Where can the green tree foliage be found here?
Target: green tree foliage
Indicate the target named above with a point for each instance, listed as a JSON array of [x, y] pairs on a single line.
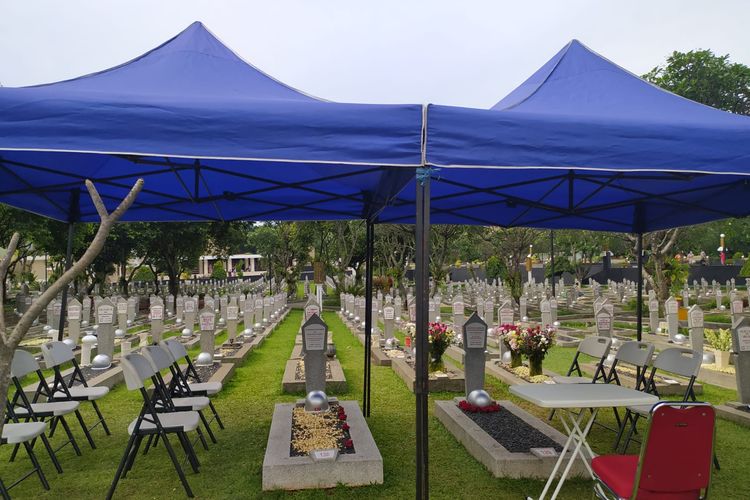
[[218, 272]]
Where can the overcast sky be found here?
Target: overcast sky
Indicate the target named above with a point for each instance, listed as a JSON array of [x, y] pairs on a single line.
[[466, 53]]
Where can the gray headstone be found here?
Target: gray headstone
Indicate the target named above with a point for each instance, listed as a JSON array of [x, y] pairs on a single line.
[[389, 320], [546, 310], [741, 350], [207, 323], [315, 342], [105, 333], [695, 325], [522, 305], [458, 313], [311, 308], [74, 320], [475, 344], [156, 316], [603, 319], [737, 307], [671, 308], [180, 306], [233, 313], [653, 315]]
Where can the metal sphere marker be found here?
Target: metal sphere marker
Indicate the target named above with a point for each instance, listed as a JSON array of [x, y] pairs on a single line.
[[247, 331], [316, 401], [84, 323], [101, 362], [479, 398], [69, 342], [221, 321], [119, 333], [129, 322], [178, 321], [556, 324], [186, 332], [680, 338], [709, 358], [506, 357], [204, 359]]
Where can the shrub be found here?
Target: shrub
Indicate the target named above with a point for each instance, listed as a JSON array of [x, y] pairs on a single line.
[[219, 273], [745, 271], [143, 273], [720, 339]]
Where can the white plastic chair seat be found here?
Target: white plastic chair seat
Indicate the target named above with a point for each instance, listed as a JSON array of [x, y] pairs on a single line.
[[191, 403], [178, 421], [53, 409], [81, 393], [208, 388], [561, 379], [641, 409], [20, 433]]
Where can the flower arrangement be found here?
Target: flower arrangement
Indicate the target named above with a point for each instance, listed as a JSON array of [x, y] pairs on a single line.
[[440, 337], [535, 343], [510, 336], [470, 408]]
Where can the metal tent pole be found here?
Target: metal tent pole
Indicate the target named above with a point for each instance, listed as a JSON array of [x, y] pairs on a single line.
[[369, 244], [552, 258], [73, 215], [639, 297], [422, 238]]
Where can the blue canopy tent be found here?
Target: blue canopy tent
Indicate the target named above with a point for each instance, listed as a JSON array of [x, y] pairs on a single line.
[[584, 144], [213, 137]]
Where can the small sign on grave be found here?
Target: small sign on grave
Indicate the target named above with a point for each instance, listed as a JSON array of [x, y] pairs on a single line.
[[157, 312], [743, 339], [189, 306], [696, 317], [389, 312], [233, 313], [314, 332], [475, 333], [207, 321], [105, 314], [122, 307], [74, 313]]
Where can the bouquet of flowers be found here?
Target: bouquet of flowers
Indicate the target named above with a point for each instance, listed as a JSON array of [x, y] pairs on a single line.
[[535, 344], [510, 336], [440, 337]]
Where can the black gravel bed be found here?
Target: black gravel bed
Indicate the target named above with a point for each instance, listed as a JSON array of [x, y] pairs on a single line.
[[89, 373], [205, 372], [333, 409], [512, 432]]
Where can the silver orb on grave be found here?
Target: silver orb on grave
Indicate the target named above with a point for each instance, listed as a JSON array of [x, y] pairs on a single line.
[[316, 401], [84, 323], [437, 319], [129, 322], [95, 327], [556, 324], [479, 397], [221, 321], [616, 342], [119, 333], [709, 358], [204, 359], [680, 338], [186, 332], [506, 357], [265, 321], [490, 331], [722, 307], [525, 319], [247, 331], [52, 333], [178, 321], [101, 362], [356, 319], [46, 327], [89, 338], [257, 326], [659, 330], [69, 342], [351, 315]]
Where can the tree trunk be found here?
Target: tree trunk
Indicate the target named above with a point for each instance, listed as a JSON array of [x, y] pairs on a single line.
[[6, 357]]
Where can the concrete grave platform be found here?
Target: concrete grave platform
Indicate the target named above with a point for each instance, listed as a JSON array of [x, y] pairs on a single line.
[[379, 357], [458, 354], [336, 383], [732, 411], [496, 458], [453, 383], [284, 472], [239, 355]]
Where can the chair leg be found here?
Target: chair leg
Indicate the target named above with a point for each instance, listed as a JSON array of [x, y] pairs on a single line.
[[71, 438], [208, 428], [148, 445], [14, 452], [177, 467], [621, 430], [101, 418], [216, 415], [189, 451], [52, 427], [551, 415], [51, 453], [131, 457], [85, 430], [121, 467], [631, 432], [716, 462], [202, 438], [37, 466], [4, 491]]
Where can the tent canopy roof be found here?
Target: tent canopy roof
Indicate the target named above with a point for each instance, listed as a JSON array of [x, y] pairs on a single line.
[[214, 138], [585, 144]]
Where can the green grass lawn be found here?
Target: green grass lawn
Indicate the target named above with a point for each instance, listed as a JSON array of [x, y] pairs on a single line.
[[232, 468]]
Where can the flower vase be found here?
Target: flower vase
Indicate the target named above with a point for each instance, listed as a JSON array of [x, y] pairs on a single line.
[[535, 366], [436, 364], [516, 359]]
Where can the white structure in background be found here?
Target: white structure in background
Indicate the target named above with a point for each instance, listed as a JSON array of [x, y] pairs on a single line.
[[250, 265]]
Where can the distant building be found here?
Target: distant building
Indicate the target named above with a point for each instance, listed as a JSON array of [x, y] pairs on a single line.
[[251, 265]]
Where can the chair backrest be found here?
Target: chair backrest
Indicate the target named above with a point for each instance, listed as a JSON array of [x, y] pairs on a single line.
[[679, 360], [136, 370], [56, 353], [635, 353], [158, 357], [23, 363], [595, 346], [677, 451], [177, 350]]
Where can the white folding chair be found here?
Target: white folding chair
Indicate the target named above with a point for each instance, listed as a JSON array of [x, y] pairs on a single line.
[[56, 355], [17, 433], [137, 370], [594, 346]]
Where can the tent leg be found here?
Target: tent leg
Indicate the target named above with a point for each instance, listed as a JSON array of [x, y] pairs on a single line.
[[639, 297], [422, 302], [68, 263], [552, 258], [369, 243]]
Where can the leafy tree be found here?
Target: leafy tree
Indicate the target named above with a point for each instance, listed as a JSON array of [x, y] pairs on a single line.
[[394, 251], [495, 269], [218, 272], [511, 246]]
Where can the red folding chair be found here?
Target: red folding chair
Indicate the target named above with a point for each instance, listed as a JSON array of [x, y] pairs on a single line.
[[675, 458]]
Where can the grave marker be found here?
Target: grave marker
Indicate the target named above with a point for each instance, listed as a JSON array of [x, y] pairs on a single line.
[[74, 320], [475, 344], [105, 333], [671, 307], [695, 325], [122, 315], [546, 310], [741, 350], [603, 320], [389, 317], [207, 323], [653, 315], [156, 315], [190, 312], [233, 313], [315, 342]]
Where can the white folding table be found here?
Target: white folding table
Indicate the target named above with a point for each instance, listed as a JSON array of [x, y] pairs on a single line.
[[568, 397]]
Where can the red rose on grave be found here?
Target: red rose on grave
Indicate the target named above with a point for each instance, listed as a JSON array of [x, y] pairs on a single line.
[[341, 409], [349, 444], [342, 416], [345, 426]]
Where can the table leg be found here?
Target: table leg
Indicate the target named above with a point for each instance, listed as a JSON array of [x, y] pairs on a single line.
[[576, 433]]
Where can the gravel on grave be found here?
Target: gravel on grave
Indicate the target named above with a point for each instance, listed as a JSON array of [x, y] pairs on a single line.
[[89, 373], [299, 373], [512, 432], [329, 423], [205, 372]]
